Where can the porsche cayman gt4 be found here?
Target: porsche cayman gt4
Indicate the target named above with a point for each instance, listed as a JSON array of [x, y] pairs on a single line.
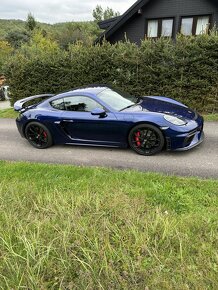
[[102, 116]]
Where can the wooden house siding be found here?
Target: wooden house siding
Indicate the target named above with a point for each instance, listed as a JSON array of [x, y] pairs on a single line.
[[135, 27]]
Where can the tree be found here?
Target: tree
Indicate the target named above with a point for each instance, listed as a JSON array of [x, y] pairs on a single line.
[[30, 22], [5, 52], [73, 32], [99, 14], [110, 13], [17, 37]]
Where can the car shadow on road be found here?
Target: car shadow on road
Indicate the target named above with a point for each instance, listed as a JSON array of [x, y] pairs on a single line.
[[107, 150]]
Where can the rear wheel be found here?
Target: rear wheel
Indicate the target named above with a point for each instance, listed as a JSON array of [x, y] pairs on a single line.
[[146, 139], [38, 135]]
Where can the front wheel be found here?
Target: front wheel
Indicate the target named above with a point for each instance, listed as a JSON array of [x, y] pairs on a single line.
[[146, 139], [38, 135]]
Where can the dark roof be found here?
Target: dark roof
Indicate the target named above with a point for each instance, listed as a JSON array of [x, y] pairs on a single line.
[[105, 24], [126, 16], [122, 19], [215, 2]]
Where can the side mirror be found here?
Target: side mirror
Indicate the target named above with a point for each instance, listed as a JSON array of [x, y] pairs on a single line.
[[99, 112]]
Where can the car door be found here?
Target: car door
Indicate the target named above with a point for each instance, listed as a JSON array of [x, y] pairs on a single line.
[[83, 127]]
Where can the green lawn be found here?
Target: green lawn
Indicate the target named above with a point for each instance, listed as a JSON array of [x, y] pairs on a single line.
[[65, 227], [211, 117], [10, 113]]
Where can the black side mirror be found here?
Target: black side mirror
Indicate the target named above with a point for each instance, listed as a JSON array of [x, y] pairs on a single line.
[[99, 112]]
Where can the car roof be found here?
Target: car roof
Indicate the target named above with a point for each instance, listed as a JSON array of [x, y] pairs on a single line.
[[91, 89]]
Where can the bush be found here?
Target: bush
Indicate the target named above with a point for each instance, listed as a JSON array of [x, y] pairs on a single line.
[[186, 70], [5, 52]]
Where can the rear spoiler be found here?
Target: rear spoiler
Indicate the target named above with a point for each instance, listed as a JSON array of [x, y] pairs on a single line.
[[20, 104]]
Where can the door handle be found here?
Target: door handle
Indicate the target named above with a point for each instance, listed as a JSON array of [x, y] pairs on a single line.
[[69, 121]]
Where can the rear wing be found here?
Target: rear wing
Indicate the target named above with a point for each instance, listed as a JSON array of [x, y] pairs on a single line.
[[26, 103]]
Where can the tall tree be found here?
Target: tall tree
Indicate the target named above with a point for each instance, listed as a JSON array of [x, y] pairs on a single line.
[[30, 22], [110, 13], [100, 14]]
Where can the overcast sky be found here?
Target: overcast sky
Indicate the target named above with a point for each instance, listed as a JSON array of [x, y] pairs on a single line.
[[53, 11]]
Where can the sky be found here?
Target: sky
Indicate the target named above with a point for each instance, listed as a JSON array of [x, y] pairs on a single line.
[[54, 11]]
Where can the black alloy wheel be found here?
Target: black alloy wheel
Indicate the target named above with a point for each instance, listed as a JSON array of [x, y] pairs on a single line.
[[146, 139], [38, 135]]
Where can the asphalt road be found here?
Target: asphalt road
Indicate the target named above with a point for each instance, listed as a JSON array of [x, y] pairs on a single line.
[[201, 161]]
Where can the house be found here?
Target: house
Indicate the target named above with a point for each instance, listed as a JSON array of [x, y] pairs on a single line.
[[156, 18]]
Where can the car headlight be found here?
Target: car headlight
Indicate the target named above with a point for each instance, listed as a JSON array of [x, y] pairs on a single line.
[[174, 120]]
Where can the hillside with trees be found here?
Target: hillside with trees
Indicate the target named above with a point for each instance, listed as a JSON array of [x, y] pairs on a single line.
[[17, 32], [8, 26]]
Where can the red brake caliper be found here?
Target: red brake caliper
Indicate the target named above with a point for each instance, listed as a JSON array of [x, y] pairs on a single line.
[[137, 135], [44, 134]]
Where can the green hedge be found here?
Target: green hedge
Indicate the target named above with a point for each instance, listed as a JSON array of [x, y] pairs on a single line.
[[186, 70]]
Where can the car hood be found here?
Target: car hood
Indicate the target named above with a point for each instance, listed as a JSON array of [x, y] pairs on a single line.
[[164, 105]]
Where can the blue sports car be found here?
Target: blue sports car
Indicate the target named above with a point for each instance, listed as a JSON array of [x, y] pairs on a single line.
[[99, 115]]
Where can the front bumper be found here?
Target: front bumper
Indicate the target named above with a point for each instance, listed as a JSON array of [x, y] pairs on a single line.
[[183, 141], [197, 139]]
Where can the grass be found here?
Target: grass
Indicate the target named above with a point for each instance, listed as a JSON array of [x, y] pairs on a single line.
[[211, 117], [10, 113], [65, 227]]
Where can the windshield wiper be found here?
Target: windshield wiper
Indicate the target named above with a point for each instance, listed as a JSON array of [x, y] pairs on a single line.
[[128, 107]]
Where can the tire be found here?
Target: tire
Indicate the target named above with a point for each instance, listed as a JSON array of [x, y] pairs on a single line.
[[38, 135], [146, 139]]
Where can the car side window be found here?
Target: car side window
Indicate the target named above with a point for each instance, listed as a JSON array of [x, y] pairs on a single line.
[[80, 104], [58, 104]]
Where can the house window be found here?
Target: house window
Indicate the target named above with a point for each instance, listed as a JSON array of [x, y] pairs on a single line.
[[186, 26], [203, 24], [167, 27], [195, 25], [152, 28], [160, 27]]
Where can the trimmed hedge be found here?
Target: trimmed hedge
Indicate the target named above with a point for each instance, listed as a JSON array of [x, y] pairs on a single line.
[[186, 70]]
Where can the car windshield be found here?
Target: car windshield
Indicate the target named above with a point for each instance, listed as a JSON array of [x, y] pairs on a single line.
[[115, 100]]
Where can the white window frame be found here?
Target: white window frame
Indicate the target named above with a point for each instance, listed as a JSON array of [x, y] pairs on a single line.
[[159, 26], [196, 30]]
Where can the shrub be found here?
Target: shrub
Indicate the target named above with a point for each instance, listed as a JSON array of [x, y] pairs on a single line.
[[5, 52], [186, 70]]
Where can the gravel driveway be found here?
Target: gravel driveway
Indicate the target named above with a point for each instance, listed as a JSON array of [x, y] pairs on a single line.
[[5, 105]]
